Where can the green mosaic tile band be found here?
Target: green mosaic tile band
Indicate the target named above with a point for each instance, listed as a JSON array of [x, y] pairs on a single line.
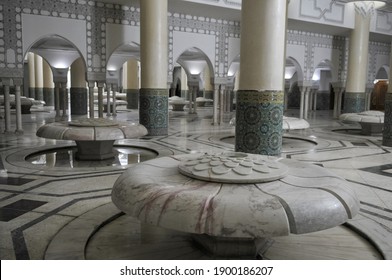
[[387, 132], [259, 118], [354, 102], [154, 112]]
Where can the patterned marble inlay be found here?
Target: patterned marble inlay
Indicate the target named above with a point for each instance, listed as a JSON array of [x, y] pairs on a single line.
[[354, 102], [259, 120], [233, 168]]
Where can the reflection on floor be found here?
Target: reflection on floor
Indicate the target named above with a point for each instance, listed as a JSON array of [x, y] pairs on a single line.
[[52, 207]]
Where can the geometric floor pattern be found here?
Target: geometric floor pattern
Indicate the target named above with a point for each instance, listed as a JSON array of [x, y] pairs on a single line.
[[54, 208]]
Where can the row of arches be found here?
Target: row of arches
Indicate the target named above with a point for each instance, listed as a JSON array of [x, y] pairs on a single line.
[[60, 53]]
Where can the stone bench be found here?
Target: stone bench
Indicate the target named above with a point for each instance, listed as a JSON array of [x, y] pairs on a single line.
[[372, 122]]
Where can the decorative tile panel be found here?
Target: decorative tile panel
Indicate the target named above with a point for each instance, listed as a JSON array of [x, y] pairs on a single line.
[[354, 102], [259, 118], [154, 110]]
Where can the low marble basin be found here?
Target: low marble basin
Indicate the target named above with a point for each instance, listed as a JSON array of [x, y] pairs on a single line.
[[372, 122], [291, 197], [289, 123], [94, 138]]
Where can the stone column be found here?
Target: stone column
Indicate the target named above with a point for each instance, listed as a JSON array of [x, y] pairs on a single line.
[[100, 99], [338, 88], [91, 86], [306, 102], [57, 99], [354, 99], [259, 113], [132, 84], [286, 95], [48, 90], [39, 77], [30, 59], [154, 103], [18, 82], [215, 110], [78, 91], [114, 88], [387, 131], [7, 106], [108, 103], [64, 100], [221, 103]]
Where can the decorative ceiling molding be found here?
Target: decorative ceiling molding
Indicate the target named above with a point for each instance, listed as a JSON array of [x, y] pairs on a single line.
[[328, 10]]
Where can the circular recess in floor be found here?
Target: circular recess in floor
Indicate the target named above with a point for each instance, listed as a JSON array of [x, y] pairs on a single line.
[[65, 157], [289, 144], [121, 238]]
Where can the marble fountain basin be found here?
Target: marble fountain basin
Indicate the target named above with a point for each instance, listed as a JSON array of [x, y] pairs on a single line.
[[372, 122], [234, 198], [94, 138]]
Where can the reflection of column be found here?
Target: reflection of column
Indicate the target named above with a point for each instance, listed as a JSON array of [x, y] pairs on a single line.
[[78, 91], [354, 100], [39, 78], [18, 84], [132, 83], [48, 90], [387, 131], [30, 59], [100, 99], [154, 111], [7, 106], [259, 113]]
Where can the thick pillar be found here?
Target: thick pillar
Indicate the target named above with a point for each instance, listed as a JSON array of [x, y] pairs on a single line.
[[18, 107], [132, 83], [354, 99], [30, 59], [154, 111], [39, 77], [78, 91], [259, 113], [387, 131], [48, 90]]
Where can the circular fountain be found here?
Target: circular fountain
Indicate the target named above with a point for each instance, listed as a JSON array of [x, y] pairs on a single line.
[[94, 138], [233, 203]]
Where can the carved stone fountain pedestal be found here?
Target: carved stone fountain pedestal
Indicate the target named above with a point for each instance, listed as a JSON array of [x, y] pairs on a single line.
[[94, 138], [233, 203]]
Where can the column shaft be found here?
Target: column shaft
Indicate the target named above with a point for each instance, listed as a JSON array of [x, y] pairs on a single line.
[[154, 111], [39, 77], [354, 99], [259, 113], [48, 90], [387, 131]]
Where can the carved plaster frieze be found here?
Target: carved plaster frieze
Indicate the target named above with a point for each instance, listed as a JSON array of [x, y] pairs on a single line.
[[327, 10], [365, 8]]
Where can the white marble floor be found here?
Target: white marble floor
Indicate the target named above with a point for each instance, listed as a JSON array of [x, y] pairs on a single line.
[[53, 207]]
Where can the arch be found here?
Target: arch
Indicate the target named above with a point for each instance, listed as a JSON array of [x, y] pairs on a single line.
[[234, 66], [292, 68], [194, 60], [58, 51], [383, 73], [324, 65], [121, 54], [35, 26]]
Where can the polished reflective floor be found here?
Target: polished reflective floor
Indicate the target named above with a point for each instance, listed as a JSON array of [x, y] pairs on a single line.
[[54, 207]]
